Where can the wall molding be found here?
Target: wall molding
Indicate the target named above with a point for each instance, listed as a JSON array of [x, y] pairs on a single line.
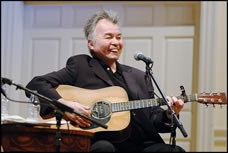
[[207, 78]]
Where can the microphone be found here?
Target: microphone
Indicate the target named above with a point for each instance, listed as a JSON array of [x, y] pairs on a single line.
[[6, 81], [139, 56]]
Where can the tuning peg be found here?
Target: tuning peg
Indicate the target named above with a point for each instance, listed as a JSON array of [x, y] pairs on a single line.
[[220, 105], [211, 93], [218, 93], [213, 105], [206, 105], [183, 93], [212, 100], [219, 100]]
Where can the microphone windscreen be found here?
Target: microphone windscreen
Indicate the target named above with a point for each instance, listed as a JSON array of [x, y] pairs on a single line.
[[136, 55]]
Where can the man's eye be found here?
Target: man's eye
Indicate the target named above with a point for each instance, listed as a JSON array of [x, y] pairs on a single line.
[[119, 38], [107, 37]]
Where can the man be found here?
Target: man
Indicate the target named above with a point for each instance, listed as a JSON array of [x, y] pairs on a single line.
[[102, 70]]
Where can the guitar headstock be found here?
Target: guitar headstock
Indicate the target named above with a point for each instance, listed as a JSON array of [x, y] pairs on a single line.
[[212, 98]]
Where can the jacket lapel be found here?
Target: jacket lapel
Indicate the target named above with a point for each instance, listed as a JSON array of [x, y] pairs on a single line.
[[130, 81], [132, 86], [127, 74], [99, 71]]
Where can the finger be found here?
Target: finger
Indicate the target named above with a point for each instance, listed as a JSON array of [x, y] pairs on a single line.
[[82, 122], [85, 121], [180, 104], [169, 100], [84, 110], [174, 99], [69, 116], [173, 103], [86, 107], [76, 119], [86, 113]]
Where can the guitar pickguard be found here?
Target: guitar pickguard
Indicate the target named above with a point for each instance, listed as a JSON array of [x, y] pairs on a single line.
[[100, 111]]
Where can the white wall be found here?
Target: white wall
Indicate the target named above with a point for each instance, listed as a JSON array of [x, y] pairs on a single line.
[[220, 117], [12, 34], [212, 46], [12, 14]]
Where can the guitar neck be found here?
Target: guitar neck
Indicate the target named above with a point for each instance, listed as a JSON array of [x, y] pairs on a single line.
[[145, 103]]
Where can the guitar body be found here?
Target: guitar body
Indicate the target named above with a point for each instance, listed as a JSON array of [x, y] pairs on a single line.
[[115, 121]]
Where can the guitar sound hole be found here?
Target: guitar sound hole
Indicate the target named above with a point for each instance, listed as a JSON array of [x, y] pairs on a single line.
[[101, 109]]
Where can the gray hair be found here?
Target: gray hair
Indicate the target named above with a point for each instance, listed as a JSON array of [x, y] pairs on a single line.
[[90, 26]]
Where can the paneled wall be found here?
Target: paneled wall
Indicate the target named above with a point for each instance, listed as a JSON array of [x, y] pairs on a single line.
[[52, 33]]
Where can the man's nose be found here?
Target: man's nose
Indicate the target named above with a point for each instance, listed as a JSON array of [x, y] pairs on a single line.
[[115, 40]]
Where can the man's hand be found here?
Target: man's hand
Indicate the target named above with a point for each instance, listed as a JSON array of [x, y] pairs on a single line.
[[176, 104], [79, 108]]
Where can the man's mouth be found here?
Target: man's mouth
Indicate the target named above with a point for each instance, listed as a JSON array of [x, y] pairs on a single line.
[[114, 50]]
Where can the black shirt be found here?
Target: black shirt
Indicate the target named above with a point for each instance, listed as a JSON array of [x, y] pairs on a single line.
[[116, 77]]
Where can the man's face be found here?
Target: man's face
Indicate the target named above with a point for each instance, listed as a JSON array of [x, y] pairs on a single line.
[[108, 42]]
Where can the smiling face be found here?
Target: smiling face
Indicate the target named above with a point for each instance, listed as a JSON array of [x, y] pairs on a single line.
[[108, 42]]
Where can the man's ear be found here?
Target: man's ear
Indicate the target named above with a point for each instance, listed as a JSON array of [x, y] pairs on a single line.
[[90, 44]]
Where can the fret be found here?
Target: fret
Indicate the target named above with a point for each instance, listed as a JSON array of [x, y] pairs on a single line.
[[142, 104], [134, 105], [149, 103], [118, 106], [138, 104], [124, 106], [114, 107], [127, 105], [145, 104], [130, 105], [121, 106]]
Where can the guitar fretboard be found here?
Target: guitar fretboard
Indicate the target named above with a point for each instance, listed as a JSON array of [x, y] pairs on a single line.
[[145, 103]]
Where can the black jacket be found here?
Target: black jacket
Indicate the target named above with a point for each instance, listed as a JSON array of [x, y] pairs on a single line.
[[86, 72]]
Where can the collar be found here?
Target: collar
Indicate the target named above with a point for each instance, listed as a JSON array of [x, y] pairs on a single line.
[[105, 66]]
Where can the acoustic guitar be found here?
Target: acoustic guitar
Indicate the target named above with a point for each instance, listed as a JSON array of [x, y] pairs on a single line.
[[111, 107]]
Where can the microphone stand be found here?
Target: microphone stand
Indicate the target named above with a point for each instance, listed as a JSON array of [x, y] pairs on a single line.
[[59, 109], [59, 115], [174, 118]]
